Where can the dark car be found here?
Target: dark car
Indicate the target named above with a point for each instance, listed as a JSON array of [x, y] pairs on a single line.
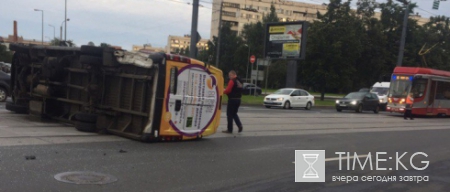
[[4, 85], [249, 89], [359, 101], [5, 67]]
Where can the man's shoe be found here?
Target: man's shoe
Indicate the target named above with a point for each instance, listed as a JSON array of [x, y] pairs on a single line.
[[226, 132], [240, 129], [405, 118], [411, 118]]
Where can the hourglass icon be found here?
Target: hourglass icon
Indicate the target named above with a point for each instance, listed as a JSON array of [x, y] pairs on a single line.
[[310, 171]]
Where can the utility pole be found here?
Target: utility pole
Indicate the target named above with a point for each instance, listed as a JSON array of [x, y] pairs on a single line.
[[248, 62], [65, 24], [218, 34], [291, 75], [194, 36], [267, 73], [402, 41]]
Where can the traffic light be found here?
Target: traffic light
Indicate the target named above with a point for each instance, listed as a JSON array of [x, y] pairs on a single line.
[[436, 4]]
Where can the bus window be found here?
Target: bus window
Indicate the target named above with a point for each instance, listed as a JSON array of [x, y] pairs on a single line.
[[418, 88], [399, 86], [432, 93], [443, 91]]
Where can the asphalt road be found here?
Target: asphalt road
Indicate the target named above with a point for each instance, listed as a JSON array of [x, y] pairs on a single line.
[[259, 159]]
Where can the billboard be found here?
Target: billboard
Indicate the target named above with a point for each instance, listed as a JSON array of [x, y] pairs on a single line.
[[285, 40]]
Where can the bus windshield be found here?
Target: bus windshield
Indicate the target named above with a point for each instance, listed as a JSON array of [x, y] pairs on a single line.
[[400, 86]]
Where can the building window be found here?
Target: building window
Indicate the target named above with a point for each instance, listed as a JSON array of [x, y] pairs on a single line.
[[288, 12], [231, 23], [249, 6], [233, 5], [246, 16], [300, 13], [229, 14]]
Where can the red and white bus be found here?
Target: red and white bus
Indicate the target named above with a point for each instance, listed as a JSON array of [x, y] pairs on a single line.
[[430, 87]]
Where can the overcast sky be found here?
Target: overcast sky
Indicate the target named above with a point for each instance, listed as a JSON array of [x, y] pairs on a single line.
[[125, 22]]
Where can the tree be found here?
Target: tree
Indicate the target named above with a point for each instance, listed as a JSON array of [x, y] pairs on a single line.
[[5, 56], [208, 55], [91, 43], [104, 45], [336, 44], [229, 42], [272, 16], [436, 35], [253, 35], [58, 42]]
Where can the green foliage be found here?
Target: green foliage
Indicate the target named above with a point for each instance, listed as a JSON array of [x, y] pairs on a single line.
[[58, 42], [272, 16], [5, 56], [104, 45], [346, 49]]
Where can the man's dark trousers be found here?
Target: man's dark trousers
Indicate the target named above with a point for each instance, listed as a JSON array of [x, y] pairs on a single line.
[[408, 113], [232, 110]]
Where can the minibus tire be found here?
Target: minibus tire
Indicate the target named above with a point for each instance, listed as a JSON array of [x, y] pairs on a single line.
[[86, 117], [85, 127]]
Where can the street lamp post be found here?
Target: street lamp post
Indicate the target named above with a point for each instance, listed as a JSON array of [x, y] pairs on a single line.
[[42, 24], [248, 62], [60, 29], [53, 31]]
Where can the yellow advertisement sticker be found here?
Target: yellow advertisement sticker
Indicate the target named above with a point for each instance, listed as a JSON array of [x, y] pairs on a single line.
[[277, 29], [291, 46]]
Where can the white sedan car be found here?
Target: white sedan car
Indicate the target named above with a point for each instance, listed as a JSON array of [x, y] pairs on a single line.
[[289, 98]]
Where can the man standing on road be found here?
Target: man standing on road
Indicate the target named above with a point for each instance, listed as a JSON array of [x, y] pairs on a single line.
[[408, 108], [234, 92]]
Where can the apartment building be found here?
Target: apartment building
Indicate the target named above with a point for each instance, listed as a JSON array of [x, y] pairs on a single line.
[[148, 47], [241, 12], [176, 43]]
